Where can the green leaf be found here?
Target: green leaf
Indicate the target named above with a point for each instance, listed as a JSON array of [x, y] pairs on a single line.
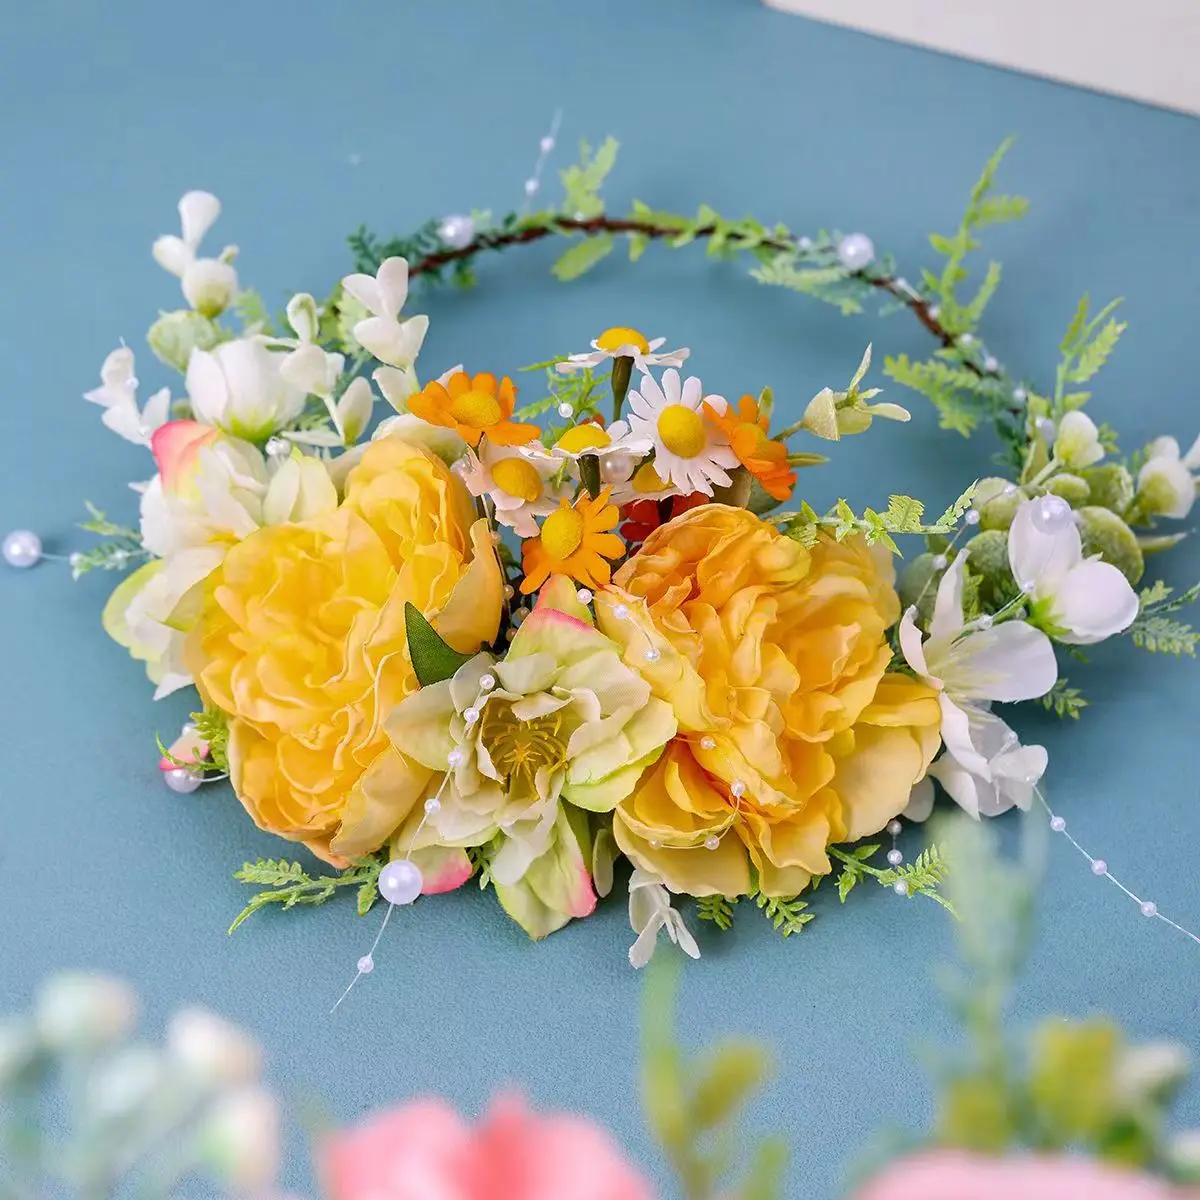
[[637, 246], [787, 916], [432, 659], [1064, 701], [582, 256], [1094, 355], [1163, 635], [765, 1181], [736, 1069], [717, 909]]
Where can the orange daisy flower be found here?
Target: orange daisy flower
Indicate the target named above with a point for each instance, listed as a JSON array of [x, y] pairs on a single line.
[[574, 541], [473, 405], [747, 433]]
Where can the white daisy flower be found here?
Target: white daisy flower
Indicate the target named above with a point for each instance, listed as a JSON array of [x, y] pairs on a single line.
[[520, 484], [689, 452], [622, 342], [615, 446]]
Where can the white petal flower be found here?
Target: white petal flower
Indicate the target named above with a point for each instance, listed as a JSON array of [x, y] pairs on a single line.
[[1009, 775], [1165, 484], [209, 284], [384, 294], [649, 912], [690, 451], [383, 334], [239, 387], [520, 484], [971, 667], [118, 396], [1079, 600], [622, 342], [211, 1049]]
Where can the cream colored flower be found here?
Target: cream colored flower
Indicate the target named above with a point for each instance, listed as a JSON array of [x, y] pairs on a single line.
[[623, 342]]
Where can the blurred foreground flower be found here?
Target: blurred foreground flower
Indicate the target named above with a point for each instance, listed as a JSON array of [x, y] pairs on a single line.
[[956, 1176], [425, 1149]]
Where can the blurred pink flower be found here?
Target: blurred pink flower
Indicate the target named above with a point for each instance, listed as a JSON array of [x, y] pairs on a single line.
[[953, 1175], [425, 1151]]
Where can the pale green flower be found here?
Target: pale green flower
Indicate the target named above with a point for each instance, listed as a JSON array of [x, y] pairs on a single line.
[[560, 724]]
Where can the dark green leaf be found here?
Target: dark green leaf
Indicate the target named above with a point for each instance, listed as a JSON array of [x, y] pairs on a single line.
[[432, 660]]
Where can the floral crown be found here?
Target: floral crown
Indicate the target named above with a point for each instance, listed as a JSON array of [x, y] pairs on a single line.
[[518, 643]]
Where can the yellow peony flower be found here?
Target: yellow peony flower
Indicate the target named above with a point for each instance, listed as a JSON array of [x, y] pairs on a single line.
[[792, 733], [301, 640]]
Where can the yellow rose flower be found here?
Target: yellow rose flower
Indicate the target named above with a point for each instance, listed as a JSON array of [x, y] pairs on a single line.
[[792, 733], [301, 640]]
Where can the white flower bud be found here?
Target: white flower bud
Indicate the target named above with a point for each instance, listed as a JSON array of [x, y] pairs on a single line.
[[124, 1083], [302, 316], [81, 1010], [1150, 1072], [209, 286], [1165, 488], [212, 1049], [239, 1141], [1077, 443]]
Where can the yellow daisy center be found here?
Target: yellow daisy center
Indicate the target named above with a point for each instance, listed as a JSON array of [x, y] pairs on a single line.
[[647, 481], [682, 430], [562, 533], [618, 336], [476, 409], [587, 436], [519, 478]]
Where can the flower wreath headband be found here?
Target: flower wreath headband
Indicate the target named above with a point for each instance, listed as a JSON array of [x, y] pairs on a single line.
[[681, 663]]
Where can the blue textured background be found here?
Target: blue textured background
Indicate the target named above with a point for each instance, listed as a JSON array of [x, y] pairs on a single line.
[[109, 112]]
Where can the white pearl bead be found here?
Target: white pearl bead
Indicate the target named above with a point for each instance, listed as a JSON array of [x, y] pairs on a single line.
[[902, 283], [455, 757], [711, 842], [366, 965], [939, 561], [583, 596], [509, 634], [509, 591], [894, 827], [1149, 908], [900, 887], [546, 144], [1009, 489], [991, 364], [519, 615], [471, 715], [278, 447], [708, 743], [967, 339], [616, 467], [653, 654], [621, 612], [487, 682], [654, 844], [985, 621], [737, 789], [1046, 428], [1099, 867], [934, 312], [804, 243], [895, 857], [972, 517], [856, 251], [181, 780], [433, 806], [1019, 394], [457, 231], [74, 560], [1051, 514], [531, 186], [22, 548], [400, 882], [566, 411]]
